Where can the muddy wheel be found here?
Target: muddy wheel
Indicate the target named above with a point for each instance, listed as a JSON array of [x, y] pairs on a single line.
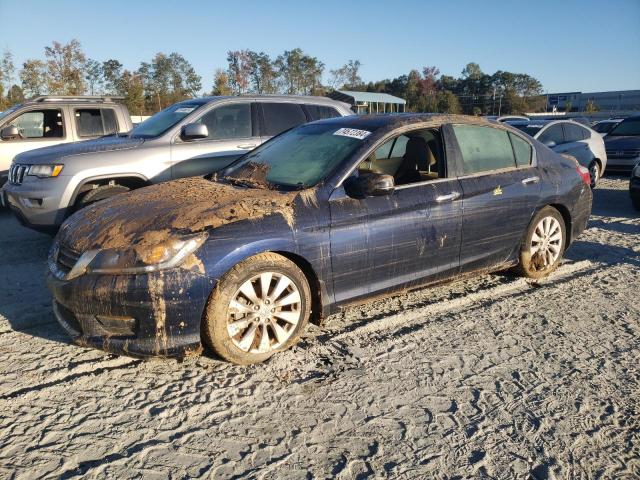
[[260, 307], [543, 245], [594, 173], [101, 193]]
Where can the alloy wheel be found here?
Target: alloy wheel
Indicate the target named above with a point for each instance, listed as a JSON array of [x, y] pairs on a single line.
[[546, 243], [264, 313]]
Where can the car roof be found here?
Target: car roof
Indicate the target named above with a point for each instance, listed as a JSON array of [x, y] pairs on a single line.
[[396, 120]]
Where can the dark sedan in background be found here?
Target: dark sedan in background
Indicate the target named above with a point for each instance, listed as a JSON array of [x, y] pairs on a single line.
[[326, 214], [623, 145]]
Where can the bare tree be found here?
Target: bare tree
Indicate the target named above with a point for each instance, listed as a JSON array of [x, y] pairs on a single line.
[[221, 83]]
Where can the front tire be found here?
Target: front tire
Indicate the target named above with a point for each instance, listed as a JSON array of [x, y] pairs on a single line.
[[101, 193], [543, 245], [260, 307]]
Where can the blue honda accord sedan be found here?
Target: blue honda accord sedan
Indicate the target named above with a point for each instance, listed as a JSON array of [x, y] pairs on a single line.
[[323, 215]]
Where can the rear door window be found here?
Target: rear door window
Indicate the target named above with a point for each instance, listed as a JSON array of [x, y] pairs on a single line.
[[552, 134], [522, 150], [95, 122], [319, 112], [228, 121], [572, 133], [45, 123], [278, 117], [484, 149]]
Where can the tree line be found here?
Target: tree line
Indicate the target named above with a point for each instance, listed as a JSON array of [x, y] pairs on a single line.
[[169, 78]]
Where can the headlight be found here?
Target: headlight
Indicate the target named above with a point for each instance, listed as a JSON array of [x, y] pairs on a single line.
[[138, 259], [45, 171]]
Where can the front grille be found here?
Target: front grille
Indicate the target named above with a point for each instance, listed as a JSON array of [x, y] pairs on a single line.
[[17, 173], [624, 153]]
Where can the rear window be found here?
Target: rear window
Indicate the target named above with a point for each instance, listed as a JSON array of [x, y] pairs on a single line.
[[95, 122], [319, 112], [484, 149], [279, 117]]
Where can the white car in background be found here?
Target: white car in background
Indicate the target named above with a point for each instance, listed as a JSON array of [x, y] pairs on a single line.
[[572, 138]]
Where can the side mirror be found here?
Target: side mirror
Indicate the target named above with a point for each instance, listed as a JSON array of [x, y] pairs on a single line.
[[369, 185], [194, 131], [9, 132], [550, 143]]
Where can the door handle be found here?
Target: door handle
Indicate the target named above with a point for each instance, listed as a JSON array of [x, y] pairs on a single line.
[[529, 180], [446, 198], [247, 146]]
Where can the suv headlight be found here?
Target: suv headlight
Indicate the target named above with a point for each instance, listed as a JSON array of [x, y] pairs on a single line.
[[45, 171], [138, 259]]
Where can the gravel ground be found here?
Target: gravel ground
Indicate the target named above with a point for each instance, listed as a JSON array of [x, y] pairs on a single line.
[[489, 377]]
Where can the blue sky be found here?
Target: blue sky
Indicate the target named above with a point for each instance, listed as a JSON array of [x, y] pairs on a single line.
[[568, 45]]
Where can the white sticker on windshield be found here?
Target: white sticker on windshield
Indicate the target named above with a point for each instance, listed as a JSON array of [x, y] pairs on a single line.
[[352, 133], [185, 109]]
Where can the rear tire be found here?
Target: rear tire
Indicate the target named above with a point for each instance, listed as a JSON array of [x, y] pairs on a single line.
[[543, 245], [101, 193], [259, 307]]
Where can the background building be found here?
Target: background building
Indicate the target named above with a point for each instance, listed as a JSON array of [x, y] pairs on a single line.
[[616, 101]]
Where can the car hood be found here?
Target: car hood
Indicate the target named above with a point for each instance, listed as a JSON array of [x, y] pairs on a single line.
[[150, 215], [613, 143], [56, 152]]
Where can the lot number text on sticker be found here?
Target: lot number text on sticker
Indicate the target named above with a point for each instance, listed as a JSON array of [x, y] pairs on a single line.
[[352, 133]]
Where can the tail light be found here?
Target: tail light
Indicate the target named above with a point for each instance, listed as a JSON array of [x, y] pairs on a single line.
[[584, 174]]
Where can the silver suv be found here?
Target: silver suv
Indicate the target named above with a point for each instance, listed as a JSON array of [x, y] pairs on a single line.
[[50, 120], [193, 137]]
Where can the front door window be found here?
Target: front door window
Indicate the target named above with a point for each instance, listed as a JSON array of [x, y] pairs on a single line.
[[46, 123]]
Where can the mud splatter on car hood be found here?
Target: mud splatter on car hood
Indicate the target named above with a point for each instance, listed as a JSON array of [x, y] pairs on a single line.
[[150, 215]]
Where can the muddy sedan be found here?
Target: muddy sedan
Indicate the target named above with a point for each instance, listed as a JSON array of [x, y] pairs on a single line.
[[324, 215]]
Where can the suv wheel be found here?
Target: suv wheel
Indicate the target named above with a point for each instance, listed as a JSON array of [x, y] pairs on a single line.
[[260, 307], [100, 193]]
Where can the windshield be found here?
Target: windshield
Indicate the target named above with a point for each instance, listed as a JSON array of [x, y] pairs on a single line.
[[8, 112], [164, 120], [299, 158], [626, 127], [529, 129]]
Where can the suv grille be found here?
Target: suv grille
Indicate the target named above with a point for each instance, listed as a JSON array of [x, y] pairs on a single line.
[[627, 153], [17, 173]]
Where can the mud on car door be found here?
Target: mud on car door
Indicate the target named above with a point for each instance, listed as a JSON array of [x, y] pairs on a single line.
[[500, 192]]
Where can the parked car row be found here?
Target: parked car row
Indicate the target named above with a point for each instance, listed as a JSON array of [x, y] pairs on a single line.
[[283, 222]]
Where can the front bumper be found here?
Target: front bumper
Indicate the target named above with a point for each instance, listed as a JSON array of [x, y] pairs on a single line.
[[156, 314], [36, 203], [621, 164]]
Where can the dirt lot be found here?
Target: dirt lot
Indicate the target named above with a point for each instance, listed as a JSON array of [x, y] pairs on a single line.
[[490, 377]]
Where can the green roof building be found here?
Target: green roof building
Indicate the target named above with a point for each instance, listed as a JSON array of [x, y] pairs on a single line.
[[369, 102]]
